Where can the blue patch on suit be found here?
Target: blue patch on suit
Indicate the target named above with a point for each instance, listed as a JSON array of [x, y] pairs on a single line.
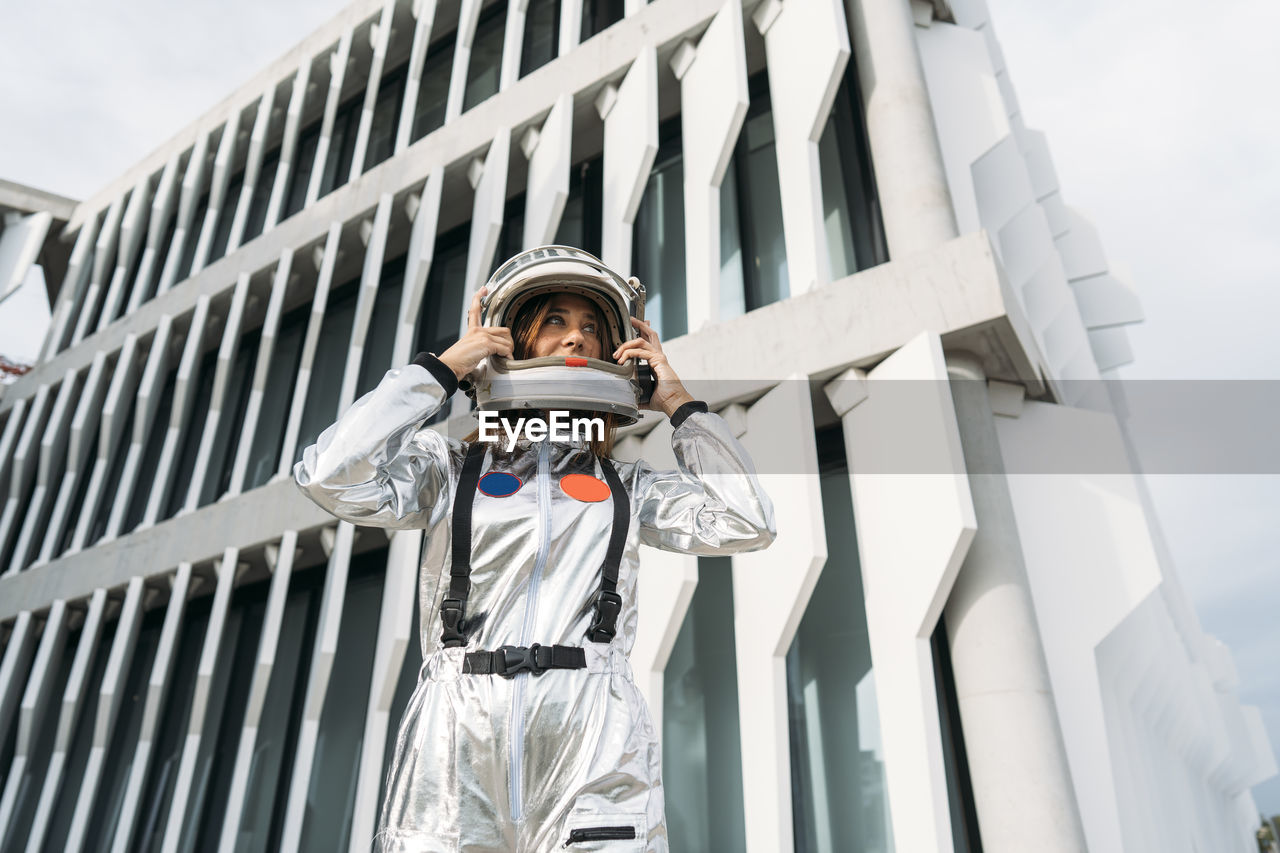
[[499, 484]]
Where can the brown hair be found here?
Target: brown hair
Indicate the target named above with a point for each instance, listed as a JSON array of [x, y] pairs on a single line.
[[524, 333]]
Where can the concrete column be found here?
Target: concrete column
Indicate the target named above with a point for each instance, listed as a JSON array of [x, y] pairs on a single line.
[[914, 199], [1021, 780]]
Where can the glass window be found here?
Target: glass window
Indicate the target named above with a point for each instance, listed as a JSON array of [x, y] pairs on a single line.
[[599, 15], [433, 88], [217, 477], [753, 251], [380, 339], [226, 216], [151, 455], [277, 397], [162, 257], [70, 519], [583, 212], [115, 471], [342, 146], [657, 255], [511, 238], [304, 161], [33, 773], [224, 718], [541, 35], [839, 797], [332, 793], [193, 429], [171, 730], [192, 239], [386, 118], [850, 206], [701, 741], [55, 840], [124, 739], [964, 814], [330, 364], [267, 790], [261, 196], [441, 318], [486, 56]]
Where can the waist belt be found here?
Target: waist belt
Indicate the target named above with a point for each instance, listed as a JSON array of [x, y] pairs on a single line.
[[509, 660]]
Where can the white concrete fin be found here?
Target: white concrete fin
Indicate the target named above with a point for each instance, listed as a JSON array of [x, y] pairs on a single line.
[[771, 590], [570, 25], [1081, 250], [288, 144], [111, 693], [630, 146], [326, 644], [156, 689], [252, 168], [395, 624], [512, 43], [468, 17], [1107, 300], [486, 217], [916, 521], [529, 142], [306, 359], [217, 191], [549, 166], [664, 586], [13, 667], [103, 256], [713, 92], [20, 244], [183, 783], [281, 558], [9, 440], [53, 446], [1006, 398], [422, 247], [1110, 347], [424, 13], [337, 75], [379, 35], [132, 230], [370, 277], [807, 48], [73, 285]]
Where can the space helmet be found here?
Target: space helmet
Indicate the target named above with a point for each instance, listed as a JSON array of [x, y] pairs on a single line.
[[558, 381]]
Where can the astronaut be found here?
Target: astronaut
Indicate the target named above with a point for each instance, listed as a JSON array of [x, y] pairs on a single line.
[[526, 731]]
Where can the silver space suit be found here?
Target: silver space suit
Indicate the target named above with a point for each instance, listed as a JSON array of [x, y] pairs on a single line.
[[505, 747]]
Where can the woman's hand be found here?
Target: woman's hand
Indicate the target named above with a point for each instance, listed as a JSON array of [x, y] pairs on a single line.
[[478, 343], [670, 393]]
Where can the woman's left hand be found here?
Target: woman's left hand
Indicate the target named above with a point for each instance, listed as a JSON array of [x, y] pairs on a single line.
[[670, 393]]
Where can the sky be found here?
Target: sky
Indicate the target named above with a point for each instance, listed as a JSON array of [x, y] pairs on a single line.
[[1163, 123]]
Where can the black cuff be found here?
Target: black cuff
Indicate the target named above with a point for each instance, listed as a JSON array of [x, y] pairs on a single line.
[[678, 416], [441, 371]]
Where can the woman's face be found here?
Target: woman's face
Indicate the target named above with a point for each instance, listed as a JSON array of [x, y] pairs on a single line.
[[570, 328]]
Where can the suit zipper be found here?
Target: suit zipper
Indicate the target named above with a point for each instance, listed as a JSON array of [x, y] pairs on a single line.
[[530, 611], [600, 833]]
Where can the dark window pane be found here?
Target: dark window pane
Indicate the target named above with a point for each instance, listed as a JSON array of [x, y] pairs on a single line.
[[580, 224], [486, 56], [381, 337], [386, 118], [701, 743], [331, 796], [224, 718], [433, 88], [81, 493], [124, 739], [511, 237], [33, 772], [226, 217], [171, 732], [441, 318], [342, 147], [192, 239], [261, 196], [55, 840], [193, 429], [851, 208], [111, 487], [965, 835], [541, 35], [405, 686], [277, 397], [304, 160], [162, 257], [838, 782], [329, 365], [267, 789], [217, 477], [151, 455], [658, 247], [598, 15]]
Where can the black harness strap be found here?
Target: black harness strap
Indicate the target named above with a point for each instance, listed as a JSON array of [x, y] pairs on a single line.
[[453, 608], [508, 661], [607, 602]]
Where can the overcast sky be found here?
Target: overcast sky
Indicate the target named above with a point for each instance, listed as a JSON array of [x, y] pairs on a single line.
[[1163, 121]]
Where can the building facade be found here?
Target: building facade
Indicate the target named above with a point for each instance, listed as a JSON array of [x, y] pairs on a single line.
[[856, 251]]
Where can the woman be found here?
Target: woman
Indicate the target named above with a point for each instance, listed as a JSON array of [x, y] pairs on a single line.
[[526, 731]]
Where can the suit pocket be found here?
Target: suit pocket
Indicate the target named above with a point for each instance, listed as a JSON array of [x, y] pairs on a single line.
[[605, 832]]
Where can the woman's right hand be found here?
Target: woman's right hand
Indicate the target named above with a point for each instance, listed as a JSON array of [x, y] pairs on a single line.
[[478, 343]]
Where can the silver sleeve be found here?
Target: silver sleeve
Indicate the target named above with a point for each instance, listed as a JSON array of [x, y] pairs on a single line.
[[377, 465], [713, 503]]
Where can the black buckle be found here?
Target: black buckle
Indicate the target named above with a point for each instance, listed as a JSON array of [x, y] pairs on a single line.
[[451, 618], [603, 628], [511, 660]]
